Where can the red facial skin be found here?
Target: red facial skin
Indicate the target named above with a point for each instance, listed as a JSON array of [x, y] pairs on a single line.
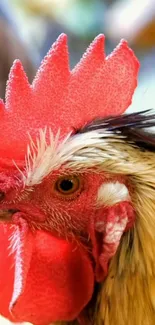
[[57, 254]]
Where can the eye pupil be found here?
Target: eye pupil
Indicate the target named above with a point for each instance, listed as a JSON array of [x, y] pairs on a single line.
[[66, 185]]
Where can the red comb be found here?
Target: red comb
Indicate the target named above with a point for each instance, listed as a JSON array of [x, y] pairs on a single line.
[[58, 98]]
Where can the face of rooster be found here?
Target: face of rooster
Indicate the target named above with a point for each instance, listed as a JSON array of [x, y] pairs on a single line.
[[72, 183]]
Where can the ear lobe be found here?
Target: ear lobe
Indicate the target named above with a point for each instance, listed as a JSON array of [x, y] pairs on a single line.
[[106, 231]]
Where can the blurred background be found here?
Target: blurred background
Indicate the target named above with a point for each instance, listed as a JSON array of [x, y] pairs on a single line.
[[29, 27]]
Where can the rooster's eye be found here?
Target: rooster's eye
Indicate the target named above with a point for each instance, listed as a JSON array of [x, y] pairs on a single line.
[[68, 185]]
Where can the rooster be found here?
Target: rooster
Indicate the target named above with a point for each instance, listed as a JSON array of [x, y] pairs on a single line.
[[77, 193]]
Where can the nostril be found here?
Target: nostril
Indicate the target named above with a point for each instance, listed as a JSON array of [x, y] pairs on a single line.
[[6, 215], [2, 195], [13, 211]]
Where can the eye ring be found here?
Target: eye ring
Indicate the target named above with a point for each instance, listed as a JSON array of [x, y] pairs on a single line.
[[68, 186]]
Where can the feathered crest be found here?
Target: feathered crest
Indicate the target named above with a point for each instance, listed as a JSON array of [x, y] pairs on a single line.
[[62, 99]]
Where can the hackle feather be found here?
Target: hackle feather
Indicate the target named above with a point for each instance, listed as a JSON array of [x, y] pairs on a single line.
[[127, 296]]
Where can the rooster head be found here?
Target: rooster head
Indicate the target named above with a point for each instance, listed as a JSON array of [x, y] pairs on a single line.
[[65, 195]]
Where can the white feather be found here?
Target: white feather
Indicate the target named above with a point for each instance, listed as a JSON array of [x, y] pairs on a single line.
[[112, 193], [42, 158]]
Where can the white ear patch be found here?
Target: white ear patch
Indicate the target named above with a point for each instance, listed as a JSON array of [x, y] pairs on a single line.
[[112, 193]]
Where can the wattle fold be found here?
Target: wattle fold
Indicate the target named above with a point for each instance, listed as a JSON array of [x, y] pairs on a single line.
[[43, 279]]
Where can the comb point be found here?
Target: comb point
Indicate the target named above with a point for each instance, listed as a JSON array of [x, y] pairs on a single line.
[[96, 47], [123, 48], [18, 87], [57, 59], [123, 67], [17, 75], [60, 46], [93, 57], [17, 72]]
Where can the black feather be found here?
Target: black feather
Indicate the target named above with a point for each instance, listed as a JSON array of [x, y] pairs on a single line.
[[132, 126]]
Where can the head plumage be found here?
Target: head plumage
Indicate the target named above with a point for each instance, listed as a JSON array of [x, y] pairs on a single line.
[[98, 86]]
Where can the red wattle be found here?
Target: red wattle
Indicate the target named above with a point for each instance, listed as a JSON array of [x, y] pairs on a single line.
[[57, 280]]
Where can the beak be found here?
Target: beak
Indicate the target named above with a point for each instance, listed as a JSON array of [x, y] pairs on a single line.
[[44, 278]]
